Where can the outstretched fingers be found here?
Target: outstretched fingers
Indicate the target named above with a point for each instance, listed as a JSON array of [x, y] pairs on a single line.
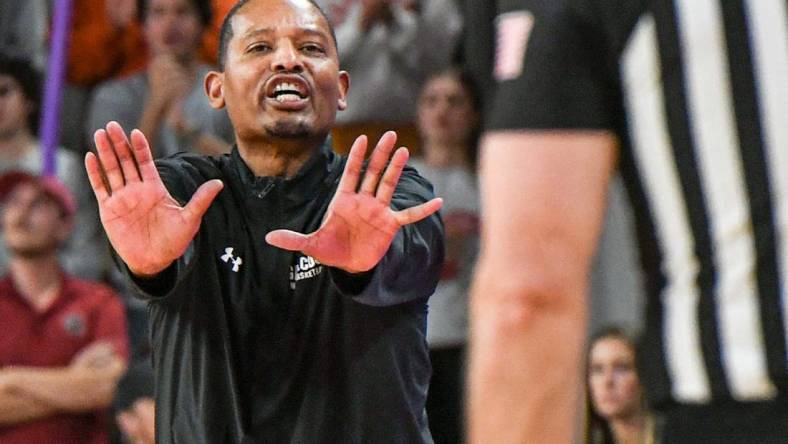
[[108, 161], [419, 212], [349, 180], [120, 142], [95, 177], [388, 184], [144, 156], [119, 160], [377, 162]]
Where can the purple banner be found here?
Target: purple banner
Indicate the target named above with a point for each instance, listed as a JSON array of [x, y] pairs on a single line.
[[56, 66]]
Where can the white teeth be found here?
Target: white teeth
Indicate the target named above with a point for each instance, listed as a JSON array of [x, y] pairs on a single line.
[[287, 98], [288, 92], [286, 87]]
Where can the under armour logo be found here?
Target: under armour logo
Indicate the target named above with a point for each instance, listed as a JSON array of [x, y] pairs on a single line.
[[228, 257]]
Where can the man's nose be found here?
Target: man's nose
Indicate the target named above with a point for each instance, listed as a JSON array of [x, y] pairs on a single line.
[[286, 58]]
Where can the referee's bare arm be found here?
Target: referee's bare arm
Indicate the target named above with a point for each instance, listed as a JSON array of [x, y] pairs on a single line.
[[543, 196]]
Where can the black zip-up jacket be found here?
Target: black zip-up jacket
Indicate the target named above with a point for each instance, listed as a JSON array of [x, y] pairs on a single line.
[[255, 344]]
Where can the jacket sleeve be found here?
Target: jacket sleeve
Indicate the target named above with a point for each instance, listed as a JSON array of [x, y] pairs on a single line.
[[411, 267]]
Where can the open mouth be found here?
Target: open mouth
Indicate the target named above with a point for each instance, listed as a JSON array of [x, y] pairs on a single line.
[[287, 90]]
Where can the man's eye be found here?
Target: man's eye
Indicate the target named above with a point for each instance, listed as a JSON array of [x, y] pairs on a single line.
[[259, 47], [313, 49]]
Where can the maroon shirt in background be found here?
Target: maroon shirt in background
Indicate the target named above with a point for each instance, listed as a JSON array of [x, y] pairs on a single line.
[[83, 313]]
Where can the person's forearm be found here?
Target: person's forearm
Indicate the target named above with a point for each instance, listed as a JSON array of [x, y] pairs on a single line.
[[74, 389], [15, 408]]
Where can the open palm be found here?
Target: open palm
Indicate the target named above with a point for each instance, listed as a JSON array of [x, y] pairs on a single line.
[[145, 225], [360, 224]]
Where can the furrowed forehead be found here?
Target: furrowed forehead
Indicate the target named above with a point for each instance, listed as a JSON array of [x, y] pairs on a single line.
[[307, 30], [276, 15], [231, 30]]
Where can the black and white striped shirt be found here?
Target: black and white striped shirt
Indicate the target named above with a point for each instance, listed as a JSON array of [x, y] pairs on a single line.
[[697, 91]]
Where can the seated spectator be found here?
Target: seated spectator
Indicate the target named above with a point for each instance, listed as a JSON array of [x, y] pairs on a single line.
[[167, 100], [617, 412], [389, 47], [86, 254], [448, 121], [63, 346]]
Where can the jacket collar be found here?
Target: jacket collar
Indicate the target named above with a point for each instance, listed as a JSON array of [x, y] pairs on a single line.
[[320, 169]]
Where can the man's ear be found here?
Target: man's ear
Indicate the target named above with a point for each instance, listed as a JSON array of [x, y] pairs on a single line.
[[214, 89], [344, 86]]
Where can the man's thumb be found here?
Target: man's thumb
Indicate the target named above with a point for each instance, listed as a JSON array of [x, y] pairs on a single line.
[[287, 240], [202, 198]]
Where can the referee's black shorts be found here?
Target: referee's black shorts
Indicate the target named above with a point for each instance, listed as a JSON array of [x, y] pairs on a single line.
[[732, 423]]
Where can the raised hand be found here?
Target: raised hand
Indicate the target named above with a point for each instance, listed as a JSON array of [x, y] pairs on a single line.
[[360, 225], [145, 225]]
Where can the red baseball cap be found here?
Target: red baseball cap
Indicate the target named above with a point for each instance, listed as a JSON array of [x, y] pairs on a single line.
[[49, 184]]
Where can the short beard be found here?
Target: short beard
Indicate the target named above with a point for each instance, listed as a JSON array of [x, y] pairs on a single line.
[[290, 130]]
